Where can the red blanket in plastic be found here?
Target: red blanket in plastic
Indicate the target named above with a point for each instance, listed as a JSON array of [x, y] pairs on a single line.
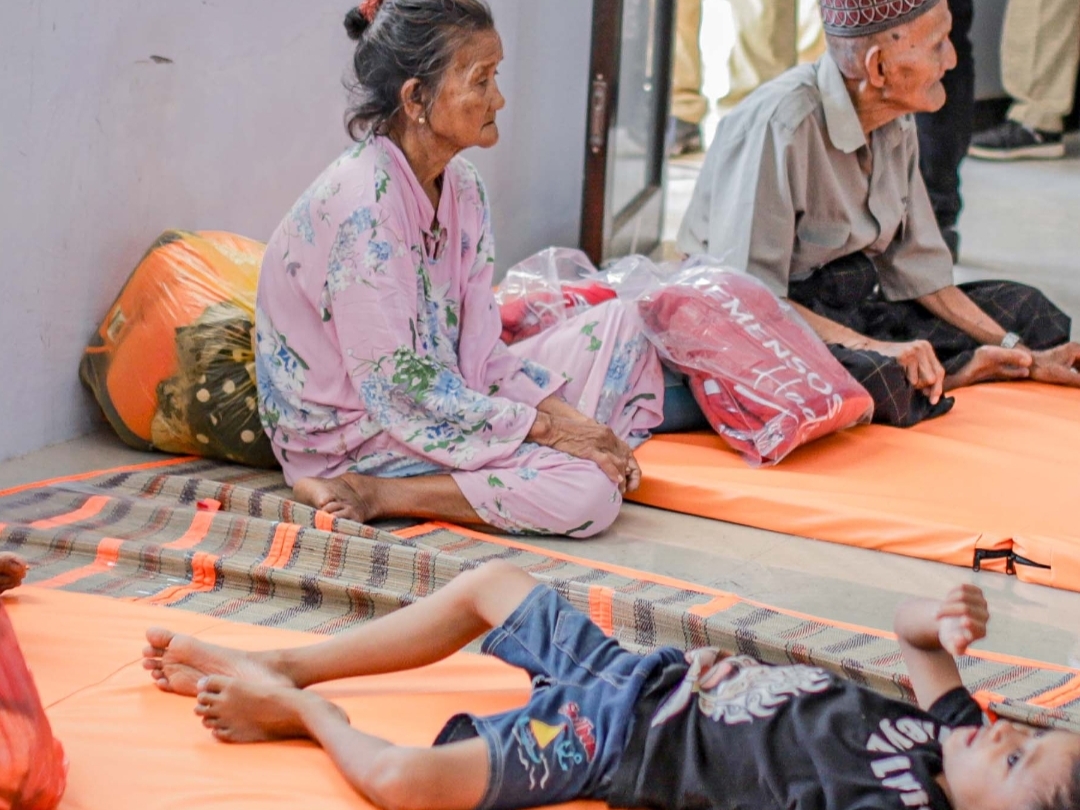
[[531, 314], [765, 381], [32, 771]]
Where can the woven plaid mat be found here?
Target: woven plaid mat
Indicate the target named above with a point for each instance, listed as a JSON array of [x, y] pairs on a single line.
[[225, 541]]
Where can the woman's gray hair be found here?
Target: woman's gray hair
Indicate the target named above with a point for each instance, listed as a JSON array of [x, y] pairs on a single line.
[[406, 39]]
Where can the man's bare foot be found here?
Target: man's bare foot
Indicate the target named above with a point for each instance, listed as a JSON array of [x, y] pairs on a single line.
[[349, 496], [12, 571], [238, 711], [992, 363], [177, 663], [1060, 365]]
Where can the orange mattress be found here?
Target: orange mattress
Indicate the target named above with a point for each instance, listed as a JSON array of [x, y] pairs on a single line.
[[999, 475], [132, 747]]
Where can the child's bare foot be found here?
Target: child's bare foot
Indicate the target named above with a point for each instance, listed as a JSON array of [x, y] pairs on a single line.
[[349, 496], [992, 363], [12, 571], [177, 663], [244, 712]]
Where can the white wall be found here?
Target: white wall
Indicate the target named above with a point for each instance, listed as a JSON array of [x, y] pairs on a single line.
[[535, 174], [102, 148]]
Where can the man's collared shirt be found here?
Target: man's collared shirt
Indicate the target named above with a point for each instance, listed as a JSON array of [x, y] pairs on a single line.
[[785, 189]]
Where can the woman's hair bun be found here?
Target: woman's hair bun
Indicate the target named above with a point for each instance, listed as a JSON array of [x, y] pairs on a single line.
[[355, 24]]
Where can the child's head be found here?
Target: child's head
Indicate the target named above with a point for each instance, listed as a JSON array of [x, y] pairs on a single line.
[[1011, 767]]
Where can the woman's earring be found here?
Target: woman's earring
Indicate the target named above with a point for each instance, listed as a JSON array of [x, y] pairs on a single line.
[[421, 120]]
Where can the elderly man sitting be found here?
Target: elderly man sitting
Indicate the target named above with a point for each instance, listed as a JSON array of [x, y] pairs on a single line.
[[812, 185]]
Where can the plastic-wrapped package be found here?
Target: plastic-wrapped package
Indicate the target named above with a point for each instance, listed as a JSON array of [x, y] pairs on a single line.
[[33, 772], [545, 289], [172, 364], [765, 381]]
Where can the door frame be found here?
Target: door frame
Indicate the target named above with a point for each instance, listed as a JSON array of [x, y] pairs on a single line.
[[598, 225]]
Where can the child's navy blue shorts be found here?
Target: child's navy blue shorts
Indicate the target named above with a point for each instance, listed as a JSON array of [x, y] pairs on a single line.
[[567, 741]]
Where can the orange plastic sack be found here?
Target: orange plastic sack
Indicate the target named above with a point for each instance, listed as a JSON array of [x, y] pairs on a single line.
[[172, 364], [33, 773]]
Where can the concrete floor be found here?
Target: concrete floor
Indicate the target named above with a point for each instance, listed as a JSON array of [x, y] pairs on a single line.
[[1020, 223]]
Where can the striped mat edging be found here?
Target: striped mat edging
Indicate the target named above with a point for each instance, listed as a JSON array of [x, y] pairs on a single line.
[[138, 534]]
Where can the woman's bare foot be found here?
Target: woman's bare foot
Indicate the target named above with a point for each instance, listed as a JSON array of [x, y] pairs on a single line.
[[992, 363], [12, 571], [245, 712], [177, 663], [350, 496]]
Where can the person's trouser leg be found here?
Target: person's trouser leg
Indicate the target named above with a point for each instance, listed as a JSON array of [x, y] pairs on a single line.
[[542, 491], [612, 372], [766, 43], [1040, 52], [1015, 307], [687, 101], [896, 401], [944, 136], [844, 291], [811, 36], [613, 376], [840, 291]]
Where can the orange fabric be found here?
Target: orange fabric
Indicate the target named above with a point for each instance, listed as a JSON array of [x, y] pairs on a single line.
[[149, 465], [108, 552], [32, 770], [1060, 696], [200, 525], [998, 472], [93, 505], [177, 279], [132, 747], [203, 579], [600, 607]]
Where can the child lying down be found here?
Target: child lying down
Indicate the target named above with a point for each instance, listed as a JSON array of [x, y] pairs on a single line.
[[665, 730]]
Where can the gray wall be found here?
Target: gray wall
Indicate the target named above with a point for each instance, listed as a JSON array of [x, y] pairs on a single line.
[[102, 148]]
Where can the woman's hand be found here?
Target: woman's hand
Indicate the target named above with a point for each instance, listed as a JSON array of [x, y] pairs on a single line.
[[557, 407], [585, 438]]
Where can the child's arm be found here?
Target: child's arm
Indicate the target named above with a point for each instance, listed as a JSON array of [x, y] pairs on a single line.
[[931, 632]]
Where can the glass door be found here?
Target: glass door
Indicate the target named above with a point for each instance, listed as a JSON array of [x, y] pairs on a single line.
[[630, 86]]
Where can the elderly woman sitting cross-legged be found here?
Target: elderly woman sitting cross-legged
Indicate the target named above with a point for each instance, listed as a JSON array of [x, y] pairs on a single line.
[[383, 383]]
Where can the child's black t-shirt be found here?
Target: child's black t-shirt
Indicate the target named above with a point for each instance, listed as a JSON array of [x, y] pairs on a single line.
[[792, 737]]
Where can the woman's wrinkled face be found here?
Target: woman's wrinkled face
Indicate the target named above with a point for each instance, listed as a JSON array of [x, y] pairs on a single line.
[[463, 112]]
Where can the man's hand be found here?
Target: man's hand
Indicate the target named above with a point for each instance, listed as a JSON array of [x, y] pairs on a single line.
[[961, 619], [1060, 365], [919, 362]]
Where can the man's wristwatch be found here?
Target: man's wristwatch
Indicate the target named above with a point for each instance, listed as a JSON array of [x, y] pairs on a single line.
[[1011, 340]]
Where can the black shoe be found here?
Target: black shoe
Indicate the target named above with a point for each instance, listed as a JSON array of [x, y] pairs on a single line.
[[952, 241], [683, 138], [1014, 141]]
